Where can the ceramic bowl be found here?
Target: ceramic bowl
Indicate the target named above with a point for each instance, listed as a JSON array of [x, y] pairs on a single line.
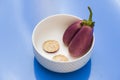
[[53, 28]]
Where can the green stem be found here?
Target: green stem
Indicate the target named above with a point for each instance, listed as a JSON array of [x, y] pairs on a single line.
[[90, 16], [88, 22]]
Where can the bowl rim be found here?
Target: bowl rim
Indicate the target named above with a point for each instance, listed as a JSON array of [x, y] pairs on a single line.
[[71, 61]]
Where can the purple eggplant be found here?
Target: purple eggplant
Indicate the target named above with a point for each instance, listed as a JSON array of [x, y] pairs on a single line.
[[81, 42], [71, 31]]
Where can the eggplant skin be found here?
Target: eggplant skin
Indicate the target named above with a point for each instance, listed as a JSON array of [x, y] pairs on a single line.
[[70, 32], [81, 43]]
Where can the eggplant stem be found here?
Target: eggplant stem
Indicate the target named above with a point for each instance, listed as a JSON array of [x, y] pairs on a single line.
[[90, 16], [88, 22]]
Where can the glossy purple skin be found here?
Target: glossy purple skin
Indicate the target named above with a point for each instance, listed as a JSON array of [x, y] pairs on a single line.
[[71, 32], [81, 43]]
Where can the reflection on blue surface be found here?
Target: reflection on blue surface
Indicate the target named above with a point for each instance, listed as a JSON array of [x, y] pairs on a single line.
[[18, 19], [43, 74]]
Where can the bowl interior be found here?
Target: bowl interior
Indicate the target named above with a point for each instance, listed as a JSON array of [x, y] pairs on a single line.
[[52, 28]]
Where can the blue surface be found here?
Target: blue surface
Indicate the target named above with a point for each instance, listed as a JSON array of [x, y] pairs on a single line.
[[18, 19]]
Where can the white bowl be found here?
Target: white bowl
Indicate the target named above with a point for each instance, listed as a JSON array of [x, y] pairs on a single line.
[[52, 28]]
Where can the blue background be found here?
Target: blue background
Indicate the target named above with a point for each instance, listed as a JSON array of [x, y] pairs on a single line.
[[18, 19]]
